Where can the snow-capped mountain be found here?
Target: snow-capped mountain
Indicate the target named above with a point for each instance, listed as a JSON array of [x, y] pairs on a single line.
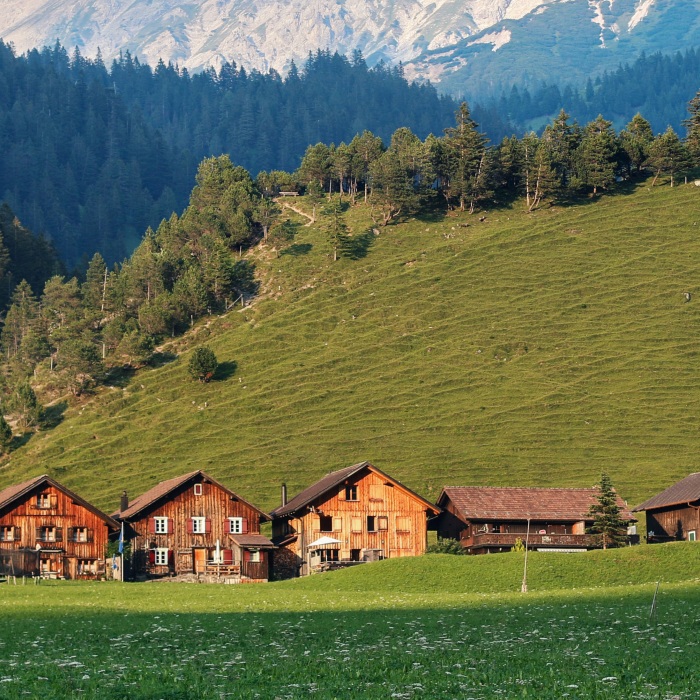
[[449, 41]]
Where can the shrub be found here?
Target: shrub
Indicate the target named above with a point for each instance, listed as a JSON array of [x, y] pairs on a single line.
[[202, 364], [445, 546]]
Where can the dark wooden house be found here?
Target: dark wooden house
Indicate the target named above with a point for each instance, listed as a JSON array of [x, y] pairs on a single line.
[[489, 519], [193, 524], [674, 514], [47, 530], [355, 514]]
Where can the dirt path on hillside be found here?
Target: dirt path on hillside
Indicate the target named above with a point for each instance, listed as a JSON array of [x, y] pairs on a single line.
[[286, 205]]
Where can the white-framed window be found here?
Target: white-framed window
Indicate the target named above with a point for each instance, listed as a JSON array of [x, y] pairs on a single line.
[[79, 534], [692, 536], [43, 500], [255, 556], [199, 526], [235, 526], [198, 489], [7, 533], [161, 525], [87, 567], [161, 558]]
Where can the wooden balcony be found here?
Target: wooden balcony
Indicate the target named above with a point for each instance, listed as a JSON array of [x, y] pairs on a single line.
[[507, 539]]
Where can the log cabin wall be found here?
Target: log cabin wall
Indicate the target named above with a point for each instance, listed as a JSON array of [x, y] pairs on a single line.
[[367, 513], [180, 549], [674, 523], [72, 538]]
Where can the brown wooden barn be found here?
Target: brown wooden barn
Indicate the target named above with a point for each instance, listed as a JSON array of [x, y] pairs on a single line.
[[490, 519], [352, 515], [47, 530], [674, 514], [193, 524]]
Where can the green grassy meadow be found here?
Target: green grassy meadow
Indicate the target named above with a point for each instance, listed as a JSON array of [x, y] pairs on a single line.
[[525, 349], [436, 626]]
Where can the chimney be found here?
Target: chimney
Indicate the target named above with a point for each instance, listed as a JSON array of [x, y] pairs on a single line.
[[124, 503], [284, 494]]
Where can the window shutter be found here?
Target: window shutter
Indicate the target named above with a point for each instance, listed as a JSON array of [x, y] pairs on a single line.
[[207, 525], [152, 527], [227, 526], [152, 557], [169, 526], [341, 495], [244, 527], [59, 534], [90, 535], [190, 526], [171, 557], [40, 533], [54, 500], [72, 537], [356, 524], [337, 524], [246, 555], [18, 533]]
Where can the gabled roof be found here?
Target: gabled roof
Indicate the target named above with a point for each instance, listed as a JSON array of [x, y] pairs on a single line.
[[13, 493], [516, 503], [255, 541], [685, 491], [165, 488], [335, 479]]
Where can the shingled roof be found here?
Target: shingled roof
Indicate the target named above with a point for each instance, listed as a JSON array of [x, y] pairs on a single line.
[[685, 491], [333, 480], [164, 488], [12, 493], [516, 503]]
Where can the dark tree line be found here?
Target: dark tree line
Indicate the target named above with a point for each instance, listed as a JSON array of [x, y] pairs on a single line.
[[91, 155]]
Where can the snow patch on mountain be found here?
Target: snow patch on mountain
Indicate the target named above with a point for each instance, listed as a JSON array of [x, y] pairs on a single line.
[[640, 12], [497, 39]]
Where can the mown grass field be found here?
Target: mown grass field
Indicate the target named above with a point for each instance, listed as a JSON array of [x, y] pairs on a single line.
[[430, 627], [523, 350]]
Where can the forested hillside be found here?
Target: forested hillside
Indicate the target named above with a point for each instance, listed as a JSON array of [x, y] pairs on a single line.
[[92, 155], [657, 86]]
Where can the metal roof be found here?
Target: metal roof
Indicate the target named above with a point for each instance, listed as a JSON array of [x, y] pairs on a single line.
[[684, 491]]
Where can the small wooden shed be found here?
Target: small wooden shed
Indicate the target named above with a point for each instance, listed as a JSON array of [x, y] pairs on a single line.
[[674, 514], [352, 515]]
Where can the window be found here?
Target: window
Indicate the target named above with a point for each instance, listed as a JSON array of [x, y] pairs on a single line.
[[161, 558], [80, 534], [161, 526], [199, 526], [371, 527], [49, 534], [235, 526], [356, 524], [351, 493], [354, 555], [326, 523], [692, 536], [8, 533], [255, 556], [403, 524], [198, 489], [329, 554], [87, 567], [44, 500]]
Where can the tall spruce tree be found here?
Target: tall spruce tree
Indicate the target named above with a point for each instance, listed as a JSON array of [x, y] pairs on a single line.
[[608, 525]]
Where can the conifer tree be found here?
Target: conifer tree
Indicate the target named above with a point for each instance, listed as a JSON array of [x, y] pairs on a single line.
[[336, 229], [596, 154], [202, 364], [608, 524], [636, 139], [5, 435], [692, 124], [25, 405], [667, 154]]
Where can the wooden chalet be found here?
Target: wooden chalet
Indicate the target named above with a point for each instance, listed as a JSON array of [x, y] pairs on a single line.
[[193, 524], [351, 515], [48, 531], [674, 514], [489, 519]]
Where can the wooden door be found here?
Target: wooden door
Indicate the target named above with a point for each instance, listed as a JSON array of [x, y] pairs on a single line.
[[200, 560]]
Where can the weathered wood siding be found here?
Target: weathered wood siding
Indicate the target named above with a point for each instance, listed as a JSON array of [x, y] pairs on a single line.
[[399, 521], [68, 522], [216, 506], [674, 522]]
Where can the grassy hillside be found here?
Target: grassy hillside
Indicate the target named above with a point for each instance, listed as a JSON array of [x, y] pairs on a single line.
[[523, 350]]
